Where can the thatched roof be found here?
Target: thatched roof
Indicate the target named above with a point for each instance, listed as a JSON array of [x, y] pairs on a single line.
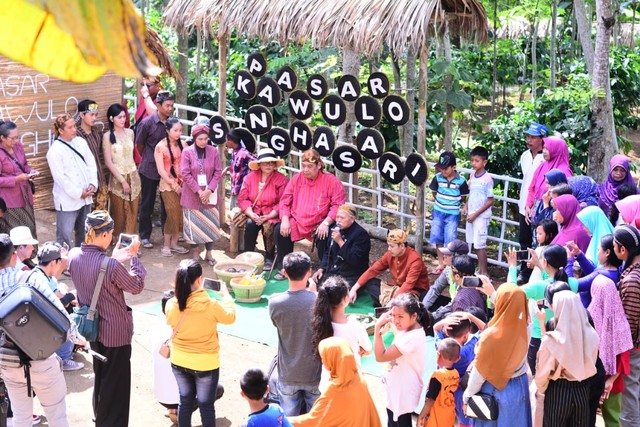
[[362, 25], [155, 45]]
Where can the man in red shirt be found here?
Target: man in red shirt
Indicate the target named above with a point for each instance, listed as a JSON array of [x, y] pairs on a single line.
[[405, 265], [308, 207]]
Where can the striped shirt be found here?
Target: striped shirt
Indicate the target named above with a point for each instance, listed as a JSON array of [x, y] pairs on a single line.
[[629, 288], [448, 194], [116, 320], [239, 168], [269, 198], [307, 202], [10, 276]]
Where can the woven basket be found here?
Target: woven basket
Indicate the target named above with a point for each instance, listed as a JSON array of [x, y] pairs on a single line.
[[244, 293], [221, 270], [253, 258]]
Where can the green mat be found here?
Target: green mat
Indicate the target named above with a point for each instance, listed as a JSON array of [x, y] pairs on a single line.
[[253, 321]]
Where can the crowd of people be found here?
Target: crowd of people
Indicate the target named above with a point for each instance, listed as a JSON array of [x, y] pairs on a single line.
[[551, 347]]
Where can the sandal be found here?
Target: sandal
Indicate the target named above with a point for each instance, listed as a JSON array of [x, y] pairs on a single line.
[[180, 250], [279, 276], [166, 252], [212, 262], [437, 271], [268, 264]]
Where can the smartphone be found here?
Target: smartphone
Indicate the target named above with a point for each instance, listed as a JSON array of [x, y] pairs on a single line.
[[523, 255], [379, 311], [471, 282], [33, 173], [212, 284], [542, 304], [125, 240]]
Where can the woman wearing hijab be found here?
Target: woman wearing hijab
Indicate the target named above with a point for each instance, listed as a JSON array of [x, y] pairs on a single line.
[[571, 229], [556, 156], [615, 342], [346, 401], [595, 220], [629, 209], [618, 174], [585, 189], [501, 361], [566, 359], [543, 208]]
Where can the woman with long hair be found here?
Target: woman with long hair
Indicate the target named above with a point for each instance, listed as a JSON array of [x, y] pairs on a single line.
[[15, 186], [195, 350], [329, 319], [167, 155], [553, 262], [201, 173], [124, 184]]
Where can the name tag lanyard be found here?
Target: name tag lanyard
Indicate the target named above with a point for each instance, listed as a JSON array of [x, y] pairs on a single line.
[[202, 177]]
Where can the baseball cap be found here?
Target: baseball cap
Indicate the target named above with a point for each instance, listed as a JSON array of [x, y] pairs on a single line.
[[536, 129], [446, 159], [49, 251], [455, 247]]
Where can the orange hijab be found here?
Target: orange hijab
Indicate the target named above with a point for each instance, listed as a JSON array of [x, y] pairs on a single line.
[[346, 401], [503, 346]]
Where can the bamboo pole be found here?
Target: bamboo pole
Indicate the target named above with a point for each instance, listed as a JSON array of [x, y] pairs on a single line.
[[222, 110], [423, 81]]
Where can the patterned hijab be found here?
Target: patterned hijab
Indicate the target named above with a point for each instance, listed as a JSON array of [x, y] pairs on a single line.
[[599, 226], [608, 190], [610, 321], [503, 345], [585, 189], [571, 227]]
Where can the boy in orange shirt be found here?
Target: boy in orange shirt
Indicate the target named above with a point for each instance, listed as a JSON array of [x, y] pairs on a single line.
[[439, 406]]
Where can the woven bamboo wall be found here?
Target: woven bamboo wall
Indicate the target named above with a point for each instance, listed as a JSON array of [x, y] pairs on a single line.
[[32, 100]]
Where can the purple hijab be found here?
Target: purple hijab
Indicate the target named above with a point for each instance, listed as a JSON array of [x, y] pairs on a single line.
[[608, 190], [571, 227]]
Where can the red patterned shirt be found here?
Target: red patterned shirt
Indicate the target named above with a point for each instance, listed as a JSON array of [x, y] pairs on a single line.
[[239, 168]]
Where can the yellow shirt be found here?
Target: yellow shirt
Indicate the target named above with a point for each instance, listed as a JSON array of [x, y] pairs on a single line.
[[195, 344]]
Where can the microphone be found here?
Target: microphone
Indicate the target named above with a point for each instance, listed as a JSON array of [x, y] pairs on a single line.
[[336, 228]]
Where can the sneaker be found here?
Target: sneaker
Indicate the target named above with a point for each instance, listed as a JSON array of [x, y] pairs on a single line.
[[71, 365], [146, 243]]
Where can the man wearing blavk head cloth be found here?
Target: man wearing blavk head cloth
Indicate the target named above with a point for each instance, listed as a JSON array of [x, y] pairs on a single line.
[[87, 129], [349, 247], [405, 266], [46, 378], [112, 388]]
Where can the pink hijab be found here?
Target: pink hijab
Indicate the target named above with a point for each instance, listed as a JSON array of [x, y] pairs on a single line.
[[571, 227], [629, 209], [610, 321], [558, 159]]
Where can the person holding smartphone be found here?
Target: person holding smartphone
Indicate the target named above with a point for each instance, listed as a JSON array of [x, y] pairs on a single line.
[[469, 287]]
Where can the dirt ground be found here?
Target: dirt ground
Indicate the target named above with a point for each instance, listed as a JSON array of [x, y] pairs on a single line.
[[237, 355]]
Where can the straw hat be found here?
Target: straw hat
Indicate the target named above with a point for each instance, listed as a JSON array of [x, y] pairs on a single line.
[[265, 155], [22, 236]]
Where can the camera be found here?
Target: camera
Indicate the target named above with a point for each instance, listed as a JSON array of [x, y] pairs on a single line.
[[471, 282], [125, 240]]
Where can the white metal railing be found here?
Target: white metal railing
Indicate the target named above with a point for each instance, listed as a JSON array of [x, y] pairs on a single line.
[[377, 192]]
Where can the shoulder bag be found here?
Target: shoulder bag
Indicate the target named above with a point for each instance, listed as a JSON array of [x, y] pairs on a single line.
[[17, 163], [165, 347], [86, 317], [483, 407], [239, 219]]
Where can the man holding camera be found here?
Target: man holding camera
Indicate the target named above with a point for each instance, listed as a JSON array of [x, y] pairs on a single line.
[[405, 266], [112, 389], [45, 376]]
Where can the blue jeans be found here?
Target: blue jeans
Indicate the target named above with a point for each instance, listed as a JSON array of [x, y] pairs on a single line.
[[292, 396], [66, 350], [196, 384], [71, 221], [444, 227]]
